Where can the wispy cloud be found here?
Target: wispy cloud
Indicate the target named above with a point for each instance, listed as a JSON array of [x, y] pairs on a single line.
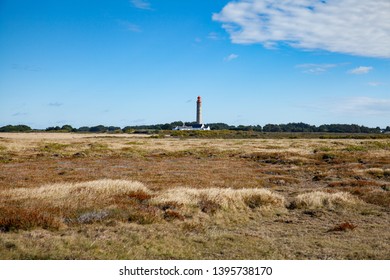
[[231, 57], [130, 26], [215, 36], [312, 68], [350, 26], [363, 106], [55, 104], [30, 68], [138, 121], [374, 84], [360, 70], [18, 114], [141, 4]]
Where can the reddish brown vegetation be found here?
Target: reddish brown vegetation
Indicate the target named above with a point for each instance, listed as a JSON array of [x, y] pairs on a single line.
[[344, 227]]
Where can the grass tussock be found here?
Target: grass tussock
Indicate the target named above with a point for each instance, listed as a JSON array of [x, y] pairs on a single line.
[[322, 200], [376, 172], [211, 199], [76, 194]]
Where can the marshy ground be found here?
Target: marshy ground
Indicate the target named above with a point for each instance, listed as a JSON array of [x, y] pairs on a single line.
[[96, 196]]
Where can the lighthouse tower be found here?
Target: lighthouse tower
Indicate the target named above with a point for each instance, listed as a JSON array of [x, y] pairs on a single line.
[[199, 121], [199, 110]]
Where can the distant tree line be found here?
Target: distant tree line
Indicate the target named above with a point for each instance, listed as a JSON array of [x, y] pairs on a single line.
[[332, 128], [15, 128], [290, 127]]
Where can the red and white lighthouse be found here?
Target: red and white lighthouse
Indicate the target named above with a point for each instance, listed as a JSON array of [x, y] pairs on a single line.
[[199, 110]]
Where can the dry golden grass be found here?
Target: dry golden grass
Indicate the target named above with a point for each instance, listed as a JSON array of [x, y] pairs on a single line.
[[84, 194], [378, 172], [74, 196], [319, 200], [226, 199], [99, 199], [33, 142]]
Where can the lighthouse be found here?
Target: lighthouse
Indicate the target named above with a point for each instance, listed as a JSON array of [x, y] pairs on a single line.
[[199, 121], [199, 110]]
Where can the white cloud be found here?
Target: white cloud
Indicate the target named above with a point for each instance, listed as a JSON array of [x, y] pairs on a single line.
[[231, 57], [133, 27], [55, 104], [130, 26], [32, 68], [215, 36], [360, 70], [364, 106], [141, 4], [315, 68], [375, 84], [138, 121], [349, 26], [18, 114]]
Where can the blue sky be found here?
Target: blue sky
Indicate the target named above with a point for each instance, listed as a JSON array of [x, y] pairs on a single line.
[[137, 62]]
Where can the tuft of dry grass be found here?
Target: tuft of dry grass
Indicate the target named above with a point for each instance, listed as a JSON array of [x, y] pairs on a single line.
[[317, 200], [211, 199], [75, 195], [377, 172]]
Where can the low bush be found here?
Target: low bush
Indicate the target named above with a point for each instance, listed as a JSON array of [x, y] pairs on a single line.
[[15, 218]]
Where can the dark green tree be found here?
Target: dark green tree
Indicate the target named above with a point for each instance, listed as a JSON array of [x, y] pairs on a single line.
[[67, 127], [15, 128]]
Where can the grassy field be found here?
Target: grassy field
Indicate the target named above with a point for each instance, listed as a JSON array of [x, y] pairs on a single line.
[[97, 196]]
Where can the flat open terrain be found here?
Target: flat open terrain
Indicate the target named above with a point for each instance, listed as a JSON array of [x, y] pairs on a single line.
[[98, 196]]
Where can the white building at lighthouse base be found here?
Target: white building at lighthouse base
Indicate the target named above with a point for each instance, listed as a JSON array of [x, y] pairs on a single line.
[[192, 127]]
